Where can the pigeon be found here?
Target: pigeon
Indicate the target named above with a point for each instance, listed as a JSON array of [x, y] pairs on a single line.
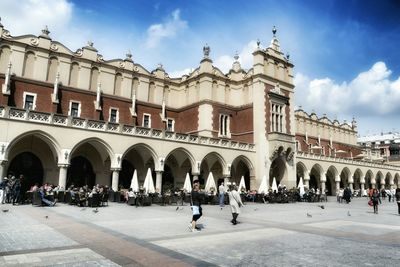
[[177, 208], [309, 215], [348, 213], [4, 210], [46, 217], [321, 206], [255, 209], [83, 209], [96, 210]]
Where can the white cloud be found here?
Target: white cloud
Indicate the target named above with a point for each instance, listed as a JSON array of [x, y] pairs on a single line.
[[370, 94], [180, 73], [170, 28], [30, 16], [224, 62]]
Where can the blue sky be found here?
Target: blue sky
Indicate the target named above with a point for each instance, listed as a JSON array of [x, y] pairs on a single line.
[[346, 53]]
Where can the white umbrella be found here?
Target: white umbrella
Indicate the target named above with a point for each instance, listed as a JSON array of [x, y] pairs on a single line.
[[301, 186], [148, 184], [242, 184], [134, 182], [187, 185], [274, 187], [263, 186], [210, 183]]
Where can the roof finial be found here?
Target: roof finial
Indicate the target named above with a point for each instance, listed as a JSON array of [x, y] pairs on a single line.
[[1, 25], [274, 31], [236, 57], [206, 51], [129, 54], [46, 31], [90, 43], [258, 43]]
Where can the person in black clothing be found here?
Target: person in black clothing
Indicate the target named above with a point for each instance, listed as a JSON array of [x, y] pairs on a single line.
[[397, 194], [16, 191], [196, 206]]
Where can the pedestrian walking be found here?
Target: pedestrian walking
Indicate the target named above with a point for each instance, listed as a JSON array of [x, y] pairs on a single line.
[[3, 184], [236, 203], [221, 190], [375, 200], [398, 199], [196, 206]]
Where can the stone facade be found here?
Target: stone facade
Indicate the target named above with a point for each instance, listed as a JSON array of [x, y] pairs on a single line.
[[75, 117]]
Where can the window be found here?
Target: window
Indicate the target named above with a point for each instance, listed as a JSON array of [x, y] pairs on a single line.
[[277, 118], [29, 101], [146, 120], [224, 130], [74, 109], [170, 125], [114, 115]]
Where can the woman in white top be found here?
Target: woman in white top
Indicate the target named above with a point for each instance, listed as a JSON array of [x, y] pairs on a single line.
[[235, 202]]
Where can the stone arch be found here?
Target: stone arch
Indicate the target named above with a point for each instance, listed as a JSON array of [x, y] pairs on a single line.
[[94, 78], [330, 184], [177, 164], [74, 74], [278, 170], [118, 84], [316, 173], [369, 179], [33, 147], [96, 152], [52, 68], [29, 64], [379, 180], [345, 176], [141, 156], [212, 162], [388, 180], [241, 166], [357, 178], [152, 92], [396, 180], [301, 171]]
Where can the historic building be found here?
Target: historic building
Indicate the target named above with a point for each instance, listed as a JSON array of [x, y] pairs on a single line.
[[73, 117], [384, 147]]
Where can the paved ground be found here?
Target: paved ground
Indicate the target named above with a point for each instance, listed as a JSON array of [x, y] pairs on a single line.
[[267, 235]]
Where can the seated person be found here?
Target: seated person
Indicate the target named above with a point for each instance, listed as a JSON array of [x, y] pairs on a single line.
[[44, 200]]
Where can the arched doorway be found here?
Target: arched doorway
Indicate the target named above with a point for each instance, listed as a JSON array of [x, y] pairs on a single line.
[[240, 168], [126, 174], [30, 166], [330, 185], [167, 179], [315, 177], [80, 173], [301, 172], [277, 170]]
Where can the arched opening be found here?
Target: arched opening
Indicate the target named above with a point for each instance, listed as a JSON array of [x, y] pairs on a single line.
[[94, 79], [29, 65], [240, 168], [330, 184], [178, 164], [80, 173], [388, 179], [301, 171], [344, 178], [315, 177], [211, 163], [368, 179], [28, 165], [126, 173], [357, 179], [74, 76], [5, 53], [277, 170], [117, 84], [380, 183], [52, 69]]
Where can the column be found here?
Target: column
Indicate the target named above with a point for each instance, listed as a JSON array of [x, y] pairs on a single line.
[[322, 187], [307, 181], [362, 188], [115, 179], [2, 170], [159, 181], [351, 186], [62, 176]]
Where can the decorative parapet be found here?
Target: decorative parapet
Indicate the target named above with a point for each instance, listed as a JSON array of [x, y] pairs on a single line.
[[345, 161], [108, 127]]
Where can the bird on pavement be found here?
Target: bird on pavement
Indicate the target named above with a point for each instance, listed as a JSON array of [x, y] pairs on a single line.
[[96, 210], [46, 217], [83, 209], [177, 208], [255, 209], [4, 210], [321, 206], [348, 213], [309, 215]]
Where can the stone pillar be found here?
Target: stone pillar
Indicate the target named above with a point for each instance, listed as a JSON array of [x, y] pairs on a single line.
[[351, 186], [306, 181], [159, 181], [2, 170], [62, 176], [195, 177], [362, 188], [322, 187], [115, 179]]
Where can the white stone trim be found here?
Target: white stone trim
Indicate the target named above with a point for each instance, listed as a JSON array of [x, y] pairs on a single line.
[[70, 107], [144, 115], [34, 99], [117, 115]]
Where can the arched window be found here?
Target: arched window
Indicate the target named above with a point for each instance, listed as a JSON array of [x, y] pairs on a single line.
[[117, 84], [152, 88], [52, 69], [94, 79], [29, 64], [73, 80], [5, 52], [135, 86]]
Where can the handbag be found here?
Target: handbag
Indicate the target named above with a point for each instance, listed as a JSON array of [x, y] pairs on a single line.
[[195, 210], [370, 203]]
